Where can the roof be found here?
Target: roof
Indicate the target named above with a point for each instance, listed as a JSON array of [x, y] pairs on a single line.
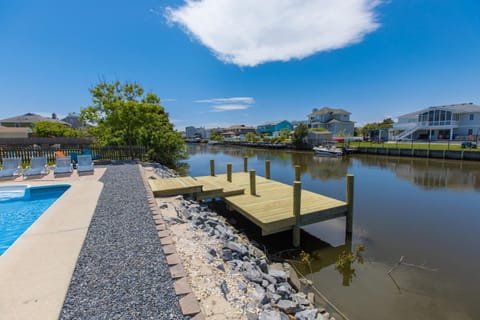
[[30, 118], [327, 110], [338, 121], [72, 115], [10, 129], [456, 108]]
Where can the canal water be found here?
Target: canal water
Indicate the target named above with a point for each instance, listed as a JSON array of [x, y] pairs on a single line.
[[426, 211]]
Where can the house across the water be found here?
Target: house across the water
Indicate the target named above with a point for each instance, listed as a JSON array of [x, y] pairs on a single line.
[[273, 128], [450, 122], [334, 120]]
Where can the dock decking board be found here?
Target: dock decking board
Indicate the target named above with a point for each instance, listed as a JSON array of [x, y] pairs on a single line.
[[174, 186], [271, 208], [212, 188]]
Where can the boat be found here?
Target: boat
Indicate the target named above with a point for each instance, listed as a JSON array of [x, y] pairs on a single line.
[[328, 151]]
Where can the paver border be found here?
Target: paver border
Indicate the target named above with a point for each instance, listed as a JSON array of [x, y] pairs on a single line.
[[188, 301]]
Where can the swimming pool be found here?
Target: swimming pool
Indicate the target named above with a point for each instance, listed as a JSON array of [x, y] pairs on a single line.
[[20, 207]]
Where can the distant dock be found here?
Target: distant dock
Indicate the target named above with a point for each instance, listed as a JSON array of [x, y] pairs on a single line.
[[271, 205]]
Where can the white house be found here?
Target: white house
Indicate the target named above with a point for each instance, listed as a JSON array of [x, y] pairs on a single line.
[[334, 120], [449, 122]]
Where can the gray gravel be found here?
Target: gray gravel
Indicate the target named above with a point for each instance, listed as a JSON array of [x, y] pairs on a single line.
[[121, 272]]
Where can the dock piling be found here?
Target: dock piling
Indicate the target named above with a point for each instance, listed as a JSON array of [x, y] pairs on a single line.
[[297, 173], [229, 172], [253, 186], [267, 169], [349, 201], [245, 164], [212, 168], [297, 199]]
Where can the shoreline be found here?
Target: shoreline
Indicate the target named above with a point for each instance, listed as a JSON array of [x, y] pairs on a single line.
[[462, 155], [228, 274]]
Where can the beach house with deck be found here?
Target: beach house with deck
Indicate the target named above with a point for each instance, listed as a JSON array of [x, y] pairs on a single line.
[[334, 120], [459, 122]]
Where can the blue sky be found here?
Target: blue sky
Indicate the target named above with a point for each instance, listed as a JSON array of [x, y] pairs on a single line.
[[218, 63]]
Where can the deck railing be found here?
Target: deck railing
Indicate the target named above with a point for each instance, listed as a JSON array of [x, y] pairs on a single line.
[[98, 153]]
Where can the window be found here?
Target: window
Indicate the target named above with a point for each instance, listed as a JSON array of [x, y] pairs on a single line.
[[471, 116], [470, 132]]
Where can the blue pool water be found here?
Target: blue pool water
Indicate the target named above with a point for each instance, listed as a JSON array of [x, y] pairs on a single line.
[[20, 207]]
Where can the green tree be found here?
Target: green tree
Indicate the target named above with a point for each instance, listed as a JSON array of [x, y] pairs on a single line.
[[386, 123], [357, 131], [216, 135], [284, 134], [54, 129], [251, 137], [125, 115], [299, 134]]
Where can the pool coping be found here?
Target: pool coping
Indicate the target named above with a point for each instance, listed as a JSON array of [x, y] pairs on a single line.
[[35, 272]]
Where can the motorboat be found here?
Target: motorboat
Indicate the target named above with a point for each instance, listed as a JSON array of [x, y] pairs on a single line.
[[328, 151]]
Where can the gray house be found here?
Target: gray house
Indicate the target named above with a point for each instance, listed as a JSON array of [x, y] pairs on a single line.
[[334, 120]]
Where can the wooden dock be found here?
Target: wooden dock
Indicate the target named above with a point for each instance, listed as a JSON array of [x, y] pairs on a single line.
[[271, 205], [271, 208]]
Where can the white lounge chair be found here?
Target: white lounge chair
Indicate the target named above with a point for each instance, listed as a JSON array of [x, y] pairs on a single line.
[[85, 164], [11, 168], [38, 167], [63, 166]]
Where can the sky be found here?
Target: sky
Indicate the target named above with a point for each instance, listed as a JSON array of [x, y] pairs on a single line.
[[216, 63]]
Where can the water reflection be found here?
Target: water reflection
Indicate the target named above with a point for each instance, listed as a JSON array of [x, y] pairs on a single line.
[[429, 173], [323, 168], [345, 264], [319, 255]]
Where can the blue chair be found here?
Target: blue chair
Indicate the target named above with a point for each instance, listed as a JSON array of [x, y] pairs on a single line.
[[38, 167], [63, 166], [85, 164], [11, 168]]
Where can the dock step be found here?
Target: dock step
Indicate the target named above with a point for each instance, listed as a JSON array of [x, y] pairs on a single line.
[[174, 186]]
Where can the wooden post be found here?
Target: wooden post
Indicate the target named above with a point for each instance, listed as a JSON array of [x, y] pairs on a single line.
[[349, 200], [267, 169], [229, 172], [253, 187], [297, 173], [245, 164], [212, 168], [297, 200]]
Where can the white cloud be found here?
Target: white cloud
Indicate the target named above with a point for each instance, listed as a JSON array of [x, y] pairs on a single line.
[[251, 32], [229, 107], [228, 104], [242, 100]]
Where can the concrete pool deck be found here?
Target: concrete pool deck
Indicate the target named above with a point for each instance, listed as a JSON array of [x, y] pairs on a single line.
[[35, 271]]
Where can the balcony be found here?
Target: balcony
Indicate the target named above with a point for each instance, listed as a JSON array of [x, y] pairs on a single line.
[[438, 124]]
